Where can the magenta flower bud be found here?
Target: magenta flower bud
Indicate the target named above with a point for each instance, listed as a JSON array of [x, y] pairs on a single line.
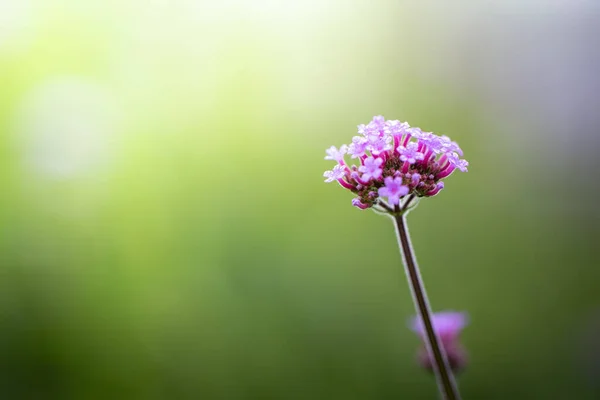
[[356, 177], [415, 179], [446, 171], [357, 203], [395, 161], [448, 325], [439, 186]]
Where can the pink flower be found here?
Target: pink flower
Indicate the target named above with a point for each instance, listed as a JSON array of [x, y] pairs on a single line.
[[378, 142], [358, 146], [448, 325], [371, 169], [396, 128], [378, 121], [336, 155], [338, 172], [393, 190], [455, 161], [449, 146], [410, 153]]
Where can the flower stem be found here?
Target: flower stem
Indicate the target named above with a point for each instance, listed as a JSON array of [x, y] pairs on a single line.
[[445, 379]]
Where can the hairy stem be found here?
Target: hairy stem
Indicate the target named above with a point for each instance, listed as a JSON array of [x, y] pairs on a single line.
[[445, 379]]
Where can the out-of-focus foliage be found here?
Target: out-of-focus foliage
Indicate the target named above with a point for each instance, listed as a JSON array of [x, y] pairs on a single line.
[[164, 228]]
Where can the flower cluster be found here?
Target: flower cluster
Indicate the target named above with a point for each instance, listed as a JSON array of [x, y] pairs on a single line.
[[448, 325], [395, 160]]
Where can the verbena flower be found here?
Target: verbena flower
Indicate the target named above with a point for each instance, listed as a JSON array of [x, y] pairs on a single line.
[[338, 172], [395, 160], [393, 190], [448, 325], [371, 168]]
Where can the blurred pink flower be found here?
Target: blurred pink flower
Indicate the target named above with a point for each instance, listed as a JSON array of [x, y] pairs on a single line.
[[448, 325]]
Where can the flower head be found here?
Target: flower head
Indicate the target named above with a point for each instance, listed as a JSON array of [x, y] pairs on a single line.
[[448, 325], [395, 160]]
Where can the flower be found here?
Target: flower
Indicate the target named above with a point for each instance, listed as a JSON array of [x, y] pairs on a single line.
[[455, 161], [395, 160], [410, 153], [336, 155], [448, 325], [378, 144], [338, 172], [395, 127], [358, 146], [370, 168], [393, 190]]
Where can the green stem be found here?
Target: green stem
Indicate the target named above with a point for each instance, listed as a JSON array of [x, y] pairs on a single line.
[[445, 378]]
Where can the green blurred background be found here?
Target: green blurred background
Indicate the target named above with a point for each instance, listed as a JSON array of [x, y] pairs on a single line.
[[165, 231]]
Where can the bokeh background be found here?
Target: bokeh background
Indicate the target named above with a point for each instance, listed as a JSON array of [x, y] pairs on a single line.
[[165, 232]]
